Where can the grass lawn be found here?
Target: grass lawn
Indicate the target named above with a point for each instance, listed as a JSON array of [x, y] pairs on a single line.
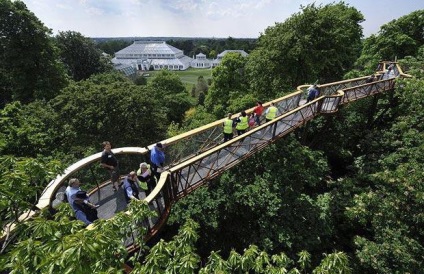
[[188, 77]]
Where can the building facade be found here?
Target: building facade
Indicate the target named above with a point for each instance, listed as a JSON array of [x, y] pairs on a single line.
[[157, 55]]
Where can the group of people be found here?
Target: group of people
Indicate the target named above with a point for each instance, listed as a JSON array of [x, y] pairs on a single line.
[[242, 123], [144, 179]]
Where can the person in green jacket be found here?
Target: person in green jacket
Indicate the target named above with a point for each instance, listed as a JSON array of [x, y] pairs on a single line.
[[271, 112], [242, 123], [228, 127]]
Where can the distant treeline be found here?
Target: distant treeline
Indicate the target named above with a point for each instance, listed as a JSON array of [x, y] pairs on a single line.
[[191, 46]]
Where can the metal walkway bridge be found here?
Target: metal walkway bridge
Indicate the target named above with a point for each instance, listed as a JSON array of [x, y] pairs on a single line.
[[199, 155]]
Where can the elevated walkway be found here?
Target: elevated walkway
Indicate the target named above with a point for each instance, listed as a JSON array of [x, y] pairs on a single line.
[[197, 156]]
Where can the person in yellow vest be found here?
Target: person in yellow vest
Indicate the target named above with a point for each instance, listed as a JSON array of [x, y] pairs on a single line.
[[228, 127], [271, 112], [242, 123]]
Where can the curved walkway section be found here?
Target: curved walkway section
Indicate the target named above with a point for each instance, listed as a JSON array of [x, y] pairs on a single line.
[[197, 156]]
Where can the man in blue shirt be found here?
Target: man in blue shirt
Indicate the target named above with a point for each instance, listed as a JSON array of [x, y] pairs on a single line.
[[157, 159]]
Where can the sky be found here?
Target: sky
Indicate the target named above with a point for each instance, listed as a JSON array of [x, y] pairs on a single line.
[[195, 18]]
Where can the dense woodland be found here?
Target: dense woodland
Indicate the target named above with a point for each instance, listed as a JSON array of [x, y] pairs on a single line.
[[343, 194]]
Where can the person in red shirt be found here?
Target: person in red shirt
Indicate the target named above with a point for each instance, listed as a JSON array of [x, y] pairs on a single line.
[[258, 112]]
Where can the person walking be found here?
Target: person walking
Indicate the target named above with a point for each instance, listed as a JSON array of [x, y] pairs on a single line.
[[370, 79], [228, 128], [157, 159], [242, 123], [271, 112], [312, 93], [258, 110], [110, 163]]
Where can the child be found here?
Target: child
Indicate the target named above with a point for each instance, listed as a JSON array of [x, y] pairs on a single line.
[[252, 120]]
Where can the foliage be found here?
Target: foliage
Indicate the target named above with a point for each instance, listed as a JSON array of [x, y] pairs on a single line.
[[22, 180], [212, 47], [201, 85], [201, 99], [112, 46], [176, 256], [319, 43], [110, 107], [401, 37], [28, 64], [260, 189], [179, 256], [80, 55], [397, 39], [140, 80], [392, 208], [229, 82], [414, 65], [26, 130], [168, 89], [64, 246]]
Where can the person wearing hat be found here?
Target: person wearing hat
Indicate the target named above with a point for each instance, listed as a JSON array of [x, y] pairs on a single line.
[[157, 159]]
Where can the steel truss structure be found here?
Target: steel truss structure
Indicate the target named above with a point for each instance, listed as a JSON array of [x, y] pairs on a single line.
[[197, 156]]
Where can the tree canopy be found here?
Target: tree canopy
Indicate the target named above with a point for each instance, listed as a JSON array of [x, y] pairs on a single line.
[[29, 68], [342, 194], [80, 55], [320, 43]]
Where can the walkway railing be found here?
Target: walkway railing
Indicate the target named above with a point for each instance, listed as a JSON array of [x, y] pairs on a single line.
[[197, 156], [182, 179]]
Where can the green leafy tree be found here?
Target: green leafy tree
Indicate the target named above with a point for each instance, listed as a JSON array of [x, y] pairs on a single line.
[[62, 245], [395, 243], [229, 81], [80, 55], [213, 54], [29, 68], [167, 88], [201, 99], [140, 80], [107, 107], [273, 188], [22, 181], [201, 85], [319, 43], [401, 37], [113, 45], [397, 39], [28, 130], [193, 91], [179, 256]]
